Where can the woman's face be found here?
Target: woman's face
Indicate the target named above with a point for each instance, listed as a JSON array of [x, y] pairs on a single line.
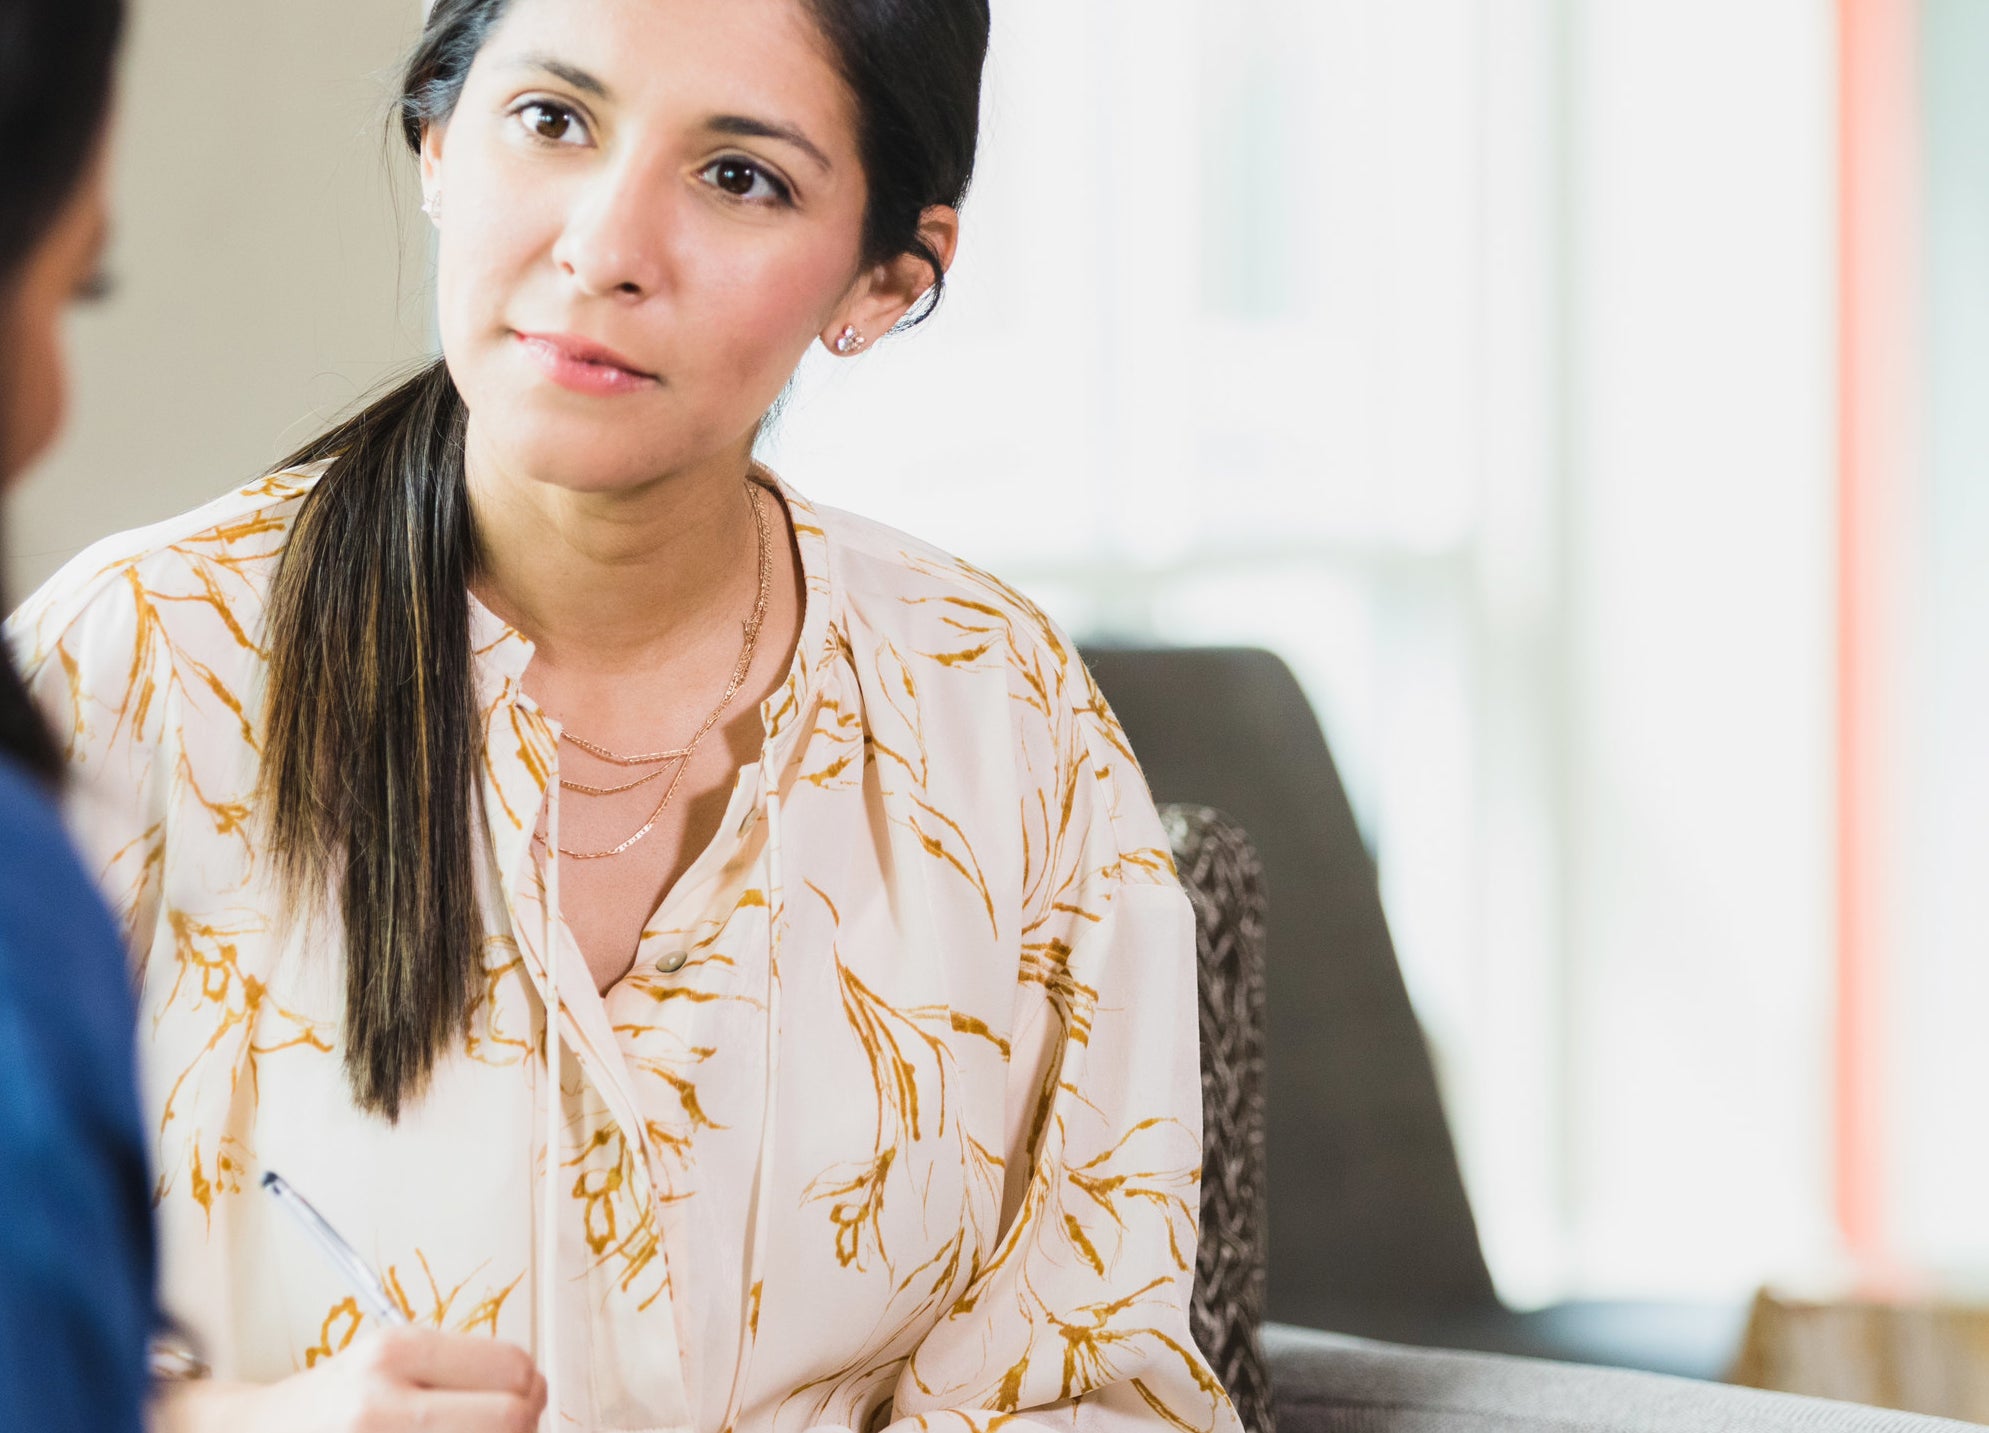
[[63, 268], [648, 210]]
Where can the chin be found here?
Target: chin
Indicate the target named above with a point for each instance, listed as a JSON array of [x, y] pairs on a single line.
[[593, 467], [580, 453]]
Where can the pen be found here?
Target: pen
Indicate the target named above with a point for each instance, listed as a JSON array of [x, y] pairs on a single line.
[[341, 1254]]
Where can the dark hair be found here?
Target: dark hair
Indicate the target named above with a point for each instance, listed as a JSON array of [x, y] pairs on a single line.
[[57, 59], [373, 736]]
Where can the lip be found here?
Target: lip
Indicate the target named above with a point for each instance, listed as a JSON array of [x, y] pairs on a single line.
[[583, 366]]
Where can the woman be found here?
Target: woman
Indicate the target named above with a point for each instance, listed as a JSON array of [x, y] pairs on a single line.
[[872, 1091], [75, 1232]]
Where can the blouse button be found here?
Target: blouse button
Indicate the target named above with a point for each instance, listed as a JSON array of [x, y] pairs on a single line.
[[673, 962]]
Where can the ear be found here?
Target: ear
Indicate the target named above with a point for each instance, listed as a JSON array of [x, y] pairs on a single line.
[[431, 159], [883, 295]]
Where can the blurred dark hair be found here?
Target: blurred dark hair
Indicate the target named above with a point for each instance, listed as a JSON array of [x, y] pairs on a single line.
[[373, 738], [57, 59]]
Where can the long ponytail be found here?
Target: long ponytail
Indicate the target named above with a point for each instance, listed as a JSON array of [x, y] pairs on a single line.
[[373, 737], [372, 743]]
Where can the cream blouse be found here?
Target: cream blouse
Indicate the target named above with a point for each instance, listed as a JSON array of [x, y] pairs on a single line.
[[897, 1119]]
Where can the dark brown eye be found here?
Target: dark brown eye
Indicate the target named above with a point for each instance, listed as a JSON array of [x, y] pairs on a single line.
[[746, 181], [735, 176], [549, 122]]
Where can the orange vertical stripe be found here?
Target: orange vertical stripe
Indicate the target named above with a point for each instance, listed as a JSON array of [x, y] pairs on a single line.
[[1878, 211]]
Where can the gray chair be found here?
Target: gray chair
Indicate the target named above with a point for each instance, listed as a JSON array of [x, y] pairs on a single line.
[[1369, 1223], [1331, 1384], [1289, 1380]]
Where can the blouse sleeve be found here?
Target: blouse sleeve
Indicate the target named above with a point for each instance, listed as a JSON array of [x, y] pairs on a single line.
[[1080, 1318], [90, 645]]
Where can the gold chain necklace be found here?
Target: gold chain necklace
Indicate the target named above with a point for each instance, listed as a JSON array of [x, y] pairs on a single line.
[[681, 757], [603, 754]]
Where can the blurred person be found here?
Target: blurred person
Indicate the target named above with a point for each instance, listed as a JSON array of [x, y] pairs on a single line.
[[75, 1223], [871, 1089]]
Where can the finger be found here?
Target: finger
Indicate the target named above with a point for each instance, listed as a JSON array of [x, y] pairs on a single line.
[[426, 1358], [449, 1412]]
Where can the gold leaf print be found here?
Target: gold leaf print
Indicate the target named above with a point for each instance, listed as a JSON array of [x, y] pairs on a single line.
[[1074, 1229], [132, 896], [654, 1047], [225, 1178], [889, 1039], [230, 818], [857, 1206], [835, 749], [953, 847], [1101, 720], [530, 739], [485, 1313], [345, 1320], [340, 1327], [210, 596], [1058, 866], [142, 691], [1089, 1337], [441, 1304], [487, 1041], [210, 974], [1170, 1192], [278, 487], [991, 622], [1047, 964], [72, 676], [964, 1024], [900, 692], [620, 1225], [1069, 1206], [1168, 1415], [894, 1043], [1154, 862]]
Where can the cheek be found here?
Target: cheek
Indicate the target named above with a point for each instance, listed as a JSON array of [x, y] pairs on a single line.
[[496, 234], [478, 266], [762, 316], [37, 386]]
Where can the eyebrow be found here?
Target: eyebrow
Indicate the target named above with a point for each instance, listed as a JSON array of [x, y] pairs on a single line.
[[559, 69], [741, 126]]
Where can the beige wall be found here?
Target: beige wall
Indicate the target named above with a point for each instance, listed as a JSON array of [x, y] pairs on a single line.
[[271, 261]]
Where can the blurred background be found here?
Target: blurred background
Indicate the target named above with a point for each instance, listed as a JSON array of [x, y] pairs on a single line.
[[1579, 395]]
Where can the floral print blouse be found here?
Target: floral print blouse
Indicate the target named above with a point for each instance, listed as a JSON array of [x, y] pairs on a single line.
[[896, 1120]]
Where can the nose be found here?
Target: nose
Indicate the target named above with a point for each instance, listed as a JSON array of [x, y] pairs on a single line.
[[612, 245]]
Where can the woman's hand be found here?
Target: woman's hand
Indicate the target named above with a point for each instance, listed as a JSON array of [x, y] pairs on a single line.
[[397, 1381]]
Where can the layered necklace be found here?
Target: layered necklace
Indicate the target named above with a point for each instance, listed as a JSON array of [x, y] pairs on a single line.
[[674, 763]]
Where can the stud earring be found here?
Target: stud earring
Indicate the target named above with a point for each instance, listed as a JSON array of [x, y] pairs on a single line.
[[851, 342], [432, 207]]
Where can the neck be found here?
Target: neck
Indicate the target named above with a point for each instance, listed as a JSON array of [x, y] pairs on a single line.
[[603, 581]]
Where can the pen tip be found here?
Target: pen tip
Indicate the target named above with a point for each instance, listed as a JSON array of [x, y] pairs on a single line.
[[270, 1178]]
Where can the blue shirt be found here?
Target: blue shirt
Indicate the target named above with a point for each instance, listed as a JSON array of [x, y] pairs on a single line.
[[76, 1302]]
